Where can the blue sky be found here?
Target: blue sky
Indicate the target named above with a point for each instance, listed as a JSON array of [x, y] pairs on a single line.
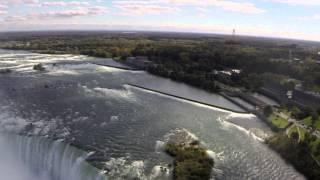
[[272, 18]]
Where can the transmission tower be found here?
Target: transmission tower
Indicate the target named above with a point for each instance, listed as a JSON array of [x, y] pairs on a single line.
[[234, 33]]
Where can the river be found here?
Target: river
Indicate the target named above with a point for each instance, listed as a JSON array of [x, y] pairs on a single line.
[[93, 108]]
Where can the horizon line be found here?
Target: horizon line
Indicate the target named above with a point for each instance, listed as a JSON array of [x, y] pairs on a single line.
[[159, 31]]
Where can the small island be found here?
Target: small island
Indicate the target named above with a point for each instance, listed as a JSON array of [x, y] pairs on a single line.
[[39, 67], [191, 160]]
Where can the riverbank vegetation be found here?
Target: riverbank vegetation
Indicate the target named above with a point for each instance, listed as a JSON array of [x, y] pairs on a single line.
[[278, 122], [295, 139], [302, 155], [190, 161]]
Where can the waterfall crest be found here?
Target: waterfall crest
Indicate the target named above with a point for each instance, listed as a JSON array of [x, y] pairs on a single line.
[[35, 158]]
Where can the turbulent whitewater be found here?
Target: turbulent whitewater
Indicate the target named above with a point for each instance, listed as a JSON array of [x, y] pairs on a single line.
[[91, 107]]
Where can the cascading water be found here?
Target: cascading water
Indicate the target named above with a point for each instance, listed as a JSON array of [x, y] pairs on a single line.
[[34, 158]]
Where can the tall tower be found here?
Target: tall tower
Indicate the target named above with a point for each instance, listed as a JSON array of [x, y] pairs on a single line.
[[234, 33]]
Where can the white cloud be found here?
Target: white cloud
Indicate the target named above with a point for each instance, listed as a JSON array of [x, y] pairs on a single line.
[[202, 12], [76, 12], [41, 3], [64, 3], [299, 2], [2, 12], [229, 5], [169, 6], [143, 7], [21, 1], [3, 9], [2, 6], [313, 17], [15, 18]]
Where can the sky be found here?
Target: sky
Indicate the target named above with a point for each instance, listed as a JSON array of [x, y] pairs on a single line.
[[298, 19]]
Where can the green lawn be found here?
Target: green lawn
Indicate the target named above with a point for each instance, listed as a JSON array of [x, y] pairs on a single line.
[[278, 121]]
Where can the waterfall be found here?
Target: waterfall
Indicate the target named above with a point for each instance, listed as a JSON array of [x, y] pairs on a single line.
[[36, 158]]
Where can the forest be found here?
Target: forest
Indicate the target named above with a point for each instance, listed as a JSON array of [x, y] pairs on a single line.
[[190, 58]]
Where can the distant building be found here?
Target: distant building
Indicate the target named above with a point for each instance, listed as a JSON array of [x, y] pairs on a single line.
[[229, 72], [297, 60], [141, 62], [236, 71]]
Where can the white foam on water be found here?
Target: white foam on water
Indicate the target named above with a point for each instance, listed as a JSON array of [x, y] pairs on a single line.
[[74, 69], [119, 168], [63, 72], [114, 118], [120, 94], [237, 115], [110, 69], [10, 55], [8, 61], [159, 147], [11, 123], [193, 136], [171, 135], [122, 169], [216, 156], [24, 62], [228, 124], [160, 172], [83, 66]]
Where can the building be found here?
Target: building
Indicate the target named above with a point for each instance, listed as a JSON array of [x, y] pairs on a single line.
[[140, 62], [229, 72]]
